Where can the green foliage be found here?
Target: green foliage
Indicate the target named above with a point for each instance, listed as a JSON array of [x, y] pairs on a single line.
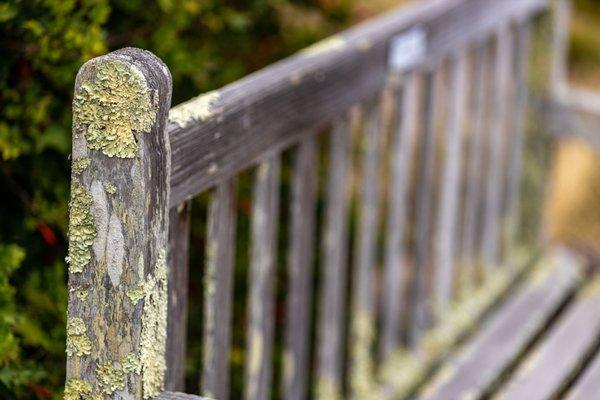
[[205, 43]]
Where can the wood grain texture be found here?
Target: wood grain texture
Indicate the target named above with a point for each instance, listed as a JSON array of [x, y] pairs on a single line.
[[470, 253], [517, 134], [263, 259], [118, 227], [548, 369], [446, 225], [473, 371], [179, 240], [418, 294], [363, 301], [588, 385], [334, 270], [272, 108], [491, 246], [402, 151], [178, 396], [300, 271], [218, 281]]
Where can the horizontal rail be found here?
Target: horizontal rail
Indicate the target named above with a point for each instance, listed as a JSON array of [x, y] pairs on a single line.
[[216, 135]]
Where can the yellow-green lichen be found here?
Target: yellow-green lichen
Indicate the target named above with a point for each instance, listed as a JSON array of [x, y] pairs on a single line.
[[77, 339], [81, 294], [109, 108], [131, 364], [77, 389], [196, 109], [82, 230], [110, 377], [110, 188], [154, 329], [137, 293], [80, 164], [363, 383], [330, 44]]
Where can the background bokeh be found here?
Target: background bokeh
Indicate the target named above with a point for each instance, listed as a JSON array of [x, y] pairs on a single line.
[[206, 44]]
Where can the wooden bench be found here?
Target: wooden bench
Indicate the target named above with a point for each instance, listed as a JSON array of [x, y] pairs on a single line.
[[400, 145]]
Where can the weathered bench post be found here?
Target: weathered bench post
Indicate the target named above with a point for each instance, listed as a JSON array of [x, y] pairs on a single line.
[[118, 225]]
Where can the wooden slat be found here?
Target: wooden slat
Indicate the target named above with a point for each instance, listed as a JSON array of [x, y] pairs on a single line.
[[508, 332], [402, 148], [492, 215], [363, 302], [178, 396], [335, 264], [216, 136], [179, 240], [218, 279], [258, 373], [424, 188], [444, 256], [548, 369], [473, 193], [517, 136], [300, 264], [588, 385]]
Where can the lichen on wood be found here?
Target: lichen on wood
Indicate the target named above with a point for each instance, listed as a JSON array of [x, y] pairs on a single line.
[[110, 377], [108, 109], [82, 230], [77, 340], [110, 188], [197, 109], [78, 389], [80, 164]]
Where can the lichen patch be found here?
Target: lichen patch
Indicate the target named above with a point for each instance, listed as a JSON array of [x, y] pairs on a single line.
[[80, 164], [328, 45], [82, 230], [77, 340], [77, 389], [131, 364], [196, 109], [154, 329], [110, 188], [110, 377], [111, 107]]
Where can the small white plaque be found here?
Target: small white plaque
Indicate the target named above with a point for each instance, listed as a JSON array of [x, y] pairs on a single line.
[[408, 49]]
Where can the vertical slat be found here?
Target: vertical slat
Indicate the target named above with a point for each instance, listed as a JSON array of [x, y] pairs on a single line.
[[334, 264], [402, 148], [258, 373], [444, 259], [493, 203], [424, 188], [119, 228], [560, 47], [218, 277], [515, 159], [363, 318], [300, 264], [473, 193], [179, 240]]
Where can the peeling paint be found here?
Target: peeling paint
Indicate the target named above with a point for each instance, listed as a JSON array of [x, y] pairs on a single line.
[[77, 340], [331, 44], [197, 109], [109, 108], [110, 377], [81, 229], [80, 164], [154, 329]]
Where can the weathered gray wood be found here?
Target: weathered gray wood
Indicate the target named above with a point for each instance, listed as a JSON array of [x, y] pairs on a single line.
[[402, 149], [424, 187], [545, 372], [444, 252], [261, 311], [363, 301], [216, 135], [179, 239], [476, 368], [561, 10], [118, 227], [218, 281], [473, 192], [588, 385], [334, 275], [492, 214], [300, 264], [517, 135], [178, 396]]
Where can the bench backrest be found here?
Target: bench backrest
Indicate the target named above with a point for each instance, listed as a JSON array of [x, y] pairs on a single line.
[[417, 118]]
